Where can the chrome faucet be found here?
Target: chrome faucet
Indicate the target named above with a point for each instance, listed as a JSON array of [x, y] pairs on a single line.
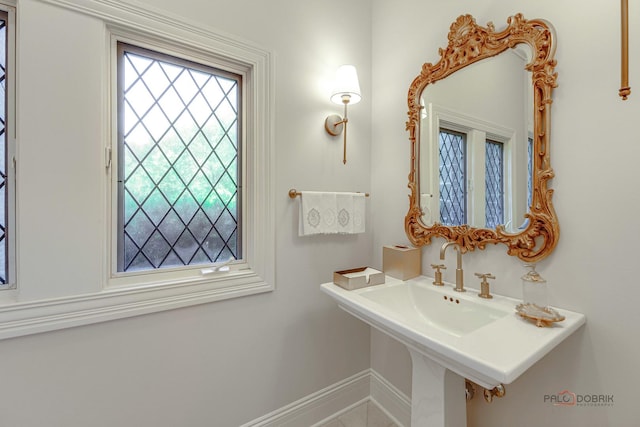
[[459, 273]]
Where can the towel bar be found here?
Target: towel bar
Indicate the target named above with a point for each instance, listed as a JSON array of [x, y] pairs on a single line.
[[293, 193]]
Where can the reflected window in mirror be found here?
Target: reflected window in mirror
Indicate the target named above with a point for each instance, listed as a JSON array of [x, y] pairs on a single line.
[[530, 171], [475, 183], [453, 178], [494, 183], [453, 171], [461, 196]]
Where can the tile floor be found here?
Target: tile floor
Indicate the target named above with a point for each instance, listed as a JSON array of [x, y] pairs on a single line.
[[365, 415]]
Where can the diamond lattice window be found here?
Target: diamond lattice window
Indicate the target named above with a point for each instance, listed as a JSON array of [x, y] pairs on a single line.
[[179, 160], [452, 170], [529, 172], [4, 185], [494, 185]]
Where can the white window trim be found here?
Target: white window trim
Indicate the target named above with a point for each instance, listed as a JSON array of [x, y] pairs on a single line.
[[116, 302]]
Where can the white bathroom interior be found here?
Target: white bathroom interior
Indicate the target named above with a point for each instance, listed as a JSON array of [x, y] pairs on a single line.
[[80, 350]]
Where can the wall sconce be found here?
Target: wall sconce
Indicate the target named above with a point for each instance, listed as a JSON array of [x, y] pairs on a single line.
[[346, 91]]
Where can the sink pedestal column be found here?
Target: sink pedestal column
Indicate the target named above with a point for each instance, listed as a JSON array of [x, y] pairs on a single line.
[[437, 395]]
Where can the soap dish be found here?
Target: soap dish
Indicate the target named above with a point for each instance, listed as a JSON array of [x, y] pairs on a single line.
[[543, 317]]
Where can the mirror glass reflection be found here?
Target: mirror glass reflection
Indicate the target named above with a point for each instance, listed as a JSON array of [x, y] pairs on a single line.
[[475, 149]]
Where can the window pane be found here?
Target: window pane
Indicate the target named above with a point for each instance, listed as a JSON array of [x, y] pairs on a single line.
[[4, 241], [494, 199], [452, 154], [529, 172], [179, 162]]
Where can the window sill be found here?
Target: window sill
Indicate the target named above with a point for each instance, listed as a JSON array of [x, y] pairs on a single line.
[[26, 318]]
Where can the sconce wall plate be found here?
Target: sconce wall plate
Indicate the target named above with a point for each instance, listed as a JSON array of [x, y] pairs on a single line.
[[334, 125]]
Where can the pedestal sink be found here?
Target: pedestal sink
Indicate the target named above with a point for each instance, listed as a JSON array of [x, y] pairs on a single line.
[[452, 336]]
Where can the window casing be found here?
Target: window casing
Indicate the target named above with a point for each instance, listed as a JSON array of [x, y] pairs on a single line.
[[244, 250]]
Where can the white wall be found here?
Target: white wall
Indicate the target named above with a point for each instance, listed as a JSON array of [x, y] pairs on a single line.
[[219, 364], [229, 362], [594, 150]]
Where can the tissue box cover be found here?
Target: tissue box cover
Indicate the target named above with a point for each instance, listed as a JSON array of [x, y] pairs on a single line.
[[401, 262], [357, 278]]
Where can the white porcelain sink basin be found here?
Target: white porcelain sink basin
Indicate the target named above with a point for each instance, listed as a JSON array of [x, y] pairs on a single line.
[[482, 340], [446, 311]]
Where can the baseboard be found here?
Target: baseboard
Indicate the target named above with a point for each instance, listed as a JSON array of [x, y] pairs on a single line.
[[331, 401], [392, 401], [318, 406]]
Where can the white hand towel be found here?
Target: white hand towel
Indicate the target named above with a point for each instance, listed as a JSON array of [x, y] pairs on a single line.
[[359, 212], [331, 213], [317, 213], [344, 207]]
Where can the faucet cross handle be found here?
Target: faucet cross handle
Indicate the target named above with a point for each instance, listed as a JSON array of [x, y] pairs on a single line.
[[484, 285], [438, 274]]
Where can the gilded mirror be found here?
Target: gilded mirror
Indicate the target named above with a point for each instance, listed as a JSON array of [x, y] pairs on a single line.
[[479, 126]]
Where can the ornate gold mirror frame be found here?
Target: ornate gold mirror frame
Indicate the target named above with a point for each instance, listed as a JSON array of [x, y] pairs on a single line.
[[470, 43]]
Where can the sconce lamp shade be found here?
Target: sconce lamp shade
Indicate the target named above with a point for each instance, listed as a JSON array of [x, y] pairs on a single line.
[[346, 84]]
